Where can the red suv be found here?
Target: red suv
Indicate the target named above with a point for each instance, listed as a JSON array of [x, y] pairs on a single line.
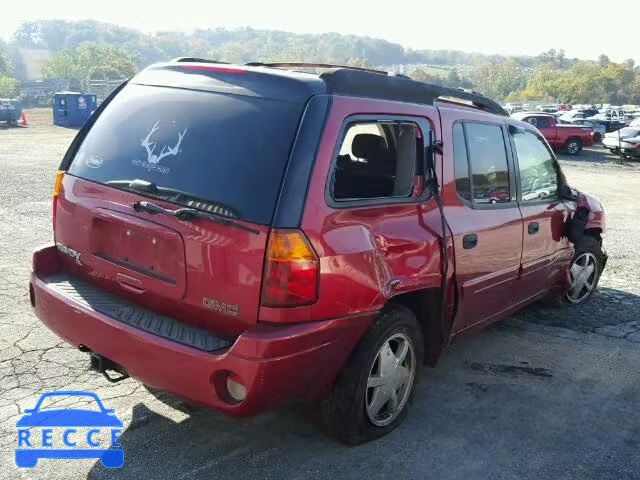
[[245, 236]]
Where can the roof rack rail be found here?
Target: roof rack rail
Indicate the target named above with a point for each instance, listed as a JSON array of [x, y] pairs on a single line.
[[398, 87], [314, 65], [196, 60]]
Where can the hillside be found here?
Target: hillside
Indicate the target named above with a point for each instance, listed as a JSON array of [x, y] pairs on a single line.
[[85, 50], [241, 45]]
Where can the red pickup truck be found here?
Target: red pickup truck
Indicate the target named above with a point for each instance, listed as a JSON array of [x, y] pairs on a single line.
[[567, 137]]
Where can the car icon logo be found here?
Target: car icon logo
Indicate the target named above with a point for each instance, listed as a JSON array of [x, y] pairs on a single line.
[[29, 452]]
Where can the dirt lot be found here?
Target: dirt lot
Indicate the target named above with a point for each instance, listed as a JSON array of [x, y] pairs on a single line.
[[544, 394]]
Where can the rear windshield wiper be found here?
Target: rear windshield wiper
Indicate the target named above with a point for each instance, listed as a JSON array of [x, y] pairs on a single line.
[[189, 214], [176, 196]]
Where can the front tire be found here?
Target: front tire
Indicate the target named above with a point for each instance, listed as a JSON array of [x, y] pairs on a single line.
[[372, 394], [585, 269]]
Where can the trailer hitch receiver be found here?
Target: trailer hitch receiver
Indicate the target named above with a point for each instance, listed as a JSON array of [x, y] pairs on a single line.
[[102, 365]]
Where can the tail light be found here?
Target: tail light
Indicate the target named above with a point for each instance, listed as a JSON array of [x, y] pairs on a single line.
[[57, 185], [291, 270]]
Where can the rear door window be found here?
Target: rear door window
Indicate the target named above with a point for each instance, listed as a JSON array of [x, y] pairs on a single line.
[[461, 163], [225, 153], [488, 161]]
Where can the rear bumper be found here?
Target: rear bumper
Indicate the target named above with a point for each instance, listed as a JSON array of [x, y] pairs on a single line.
[[276, 363]]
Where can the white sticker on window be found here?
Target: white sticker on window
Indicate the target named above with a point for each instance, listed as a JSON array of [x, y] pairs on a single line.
[[153, 160]]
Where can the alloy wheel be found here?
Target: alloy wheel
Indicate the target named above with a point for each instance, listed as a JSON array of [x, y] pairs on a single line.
[[584, 274], [573, 148], [390, 380]]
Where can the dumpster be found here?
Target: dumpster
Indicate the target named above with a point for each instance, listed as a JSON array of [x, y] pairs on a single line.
[[10, 110], [72, 109]]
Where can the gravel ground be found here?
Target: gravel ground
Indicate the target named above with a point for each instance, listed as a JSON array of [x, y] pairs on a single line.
[[544, 394]]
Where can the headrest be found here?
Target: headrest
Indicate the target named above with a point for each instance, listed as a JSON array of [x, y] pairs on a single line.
[[368, 145]]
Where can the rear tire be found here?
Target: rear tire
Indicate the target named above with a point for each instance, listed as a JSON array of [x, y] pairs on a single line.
[[573, 146], [362, 405], [584, 280]]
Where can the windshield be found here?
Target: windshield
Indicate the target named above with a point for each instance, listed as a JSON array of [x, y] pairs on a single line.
[[629, 132], [223, 149]]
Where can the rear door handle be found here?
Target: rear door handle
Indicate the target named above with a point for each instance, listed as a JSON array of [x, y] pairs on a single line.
[[470, 240], [533, 228]]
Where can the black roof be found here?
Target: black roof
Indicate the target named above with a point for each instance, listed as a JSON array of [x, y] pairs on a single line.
[[345, 81], [282, 80]]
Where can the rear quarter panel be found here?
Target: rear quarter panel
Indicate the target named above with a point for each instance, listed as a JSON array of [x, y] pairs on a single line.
[[367, 254]]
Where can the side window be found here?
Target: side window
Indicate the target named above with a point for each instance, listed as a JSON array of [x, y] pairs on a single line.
[[377, 160], [543, 122], [538, 170], [488, 160], [461, 164]]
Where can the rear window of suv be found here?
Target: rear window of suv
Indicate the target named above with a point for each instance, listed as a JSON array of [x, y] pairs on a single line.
[[226, 153]]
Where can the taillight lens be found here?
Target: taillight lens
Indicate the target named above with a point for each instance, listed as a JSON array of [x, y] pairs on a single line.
[[291, 270], [57, 185]]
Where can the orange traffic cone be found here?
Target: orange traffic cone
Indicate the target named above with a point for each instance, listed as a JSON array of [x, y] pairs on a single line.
[[24, 119]]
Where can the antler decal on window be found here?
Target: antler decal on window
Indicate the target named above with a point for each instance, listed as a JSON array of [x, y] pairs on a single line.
[[166, 151]]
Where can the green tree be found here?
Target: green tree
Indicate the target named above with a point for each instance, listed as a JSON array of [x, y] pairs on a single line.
[[499, 80], [421, 75], [63, 65], [5, 65], [8, 87], [603, 61], [91, 60]]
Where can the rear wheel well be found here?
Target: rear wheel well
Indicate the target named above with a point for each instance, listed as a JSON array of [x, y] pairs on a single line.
[[426, 306], [578, 139], [595, 233]]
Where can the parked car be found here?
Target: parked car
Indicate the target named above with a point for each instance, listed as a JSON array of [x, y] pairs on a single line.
[[611, 123], [560, 136], [599, 130], [540, 188], [612, 140], [10, 110], [259, 235], [513, 107], [631, 148], [571, 115]]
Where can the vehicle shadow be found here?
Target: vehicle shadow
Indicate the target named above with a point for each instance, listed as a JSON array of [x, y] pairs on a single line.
[[209, 445], [610, 312]]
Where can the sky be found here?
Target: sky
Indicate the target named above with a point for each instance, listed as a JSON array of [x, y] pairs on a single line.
[[583, 28]]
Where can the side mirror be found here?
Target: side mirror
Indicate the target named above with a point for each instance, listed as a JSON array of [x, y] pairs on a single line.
[[568, 193]]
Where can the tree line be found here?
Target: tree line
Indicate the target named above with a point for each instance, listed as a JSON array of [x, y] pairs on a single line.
[[87, 49]]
